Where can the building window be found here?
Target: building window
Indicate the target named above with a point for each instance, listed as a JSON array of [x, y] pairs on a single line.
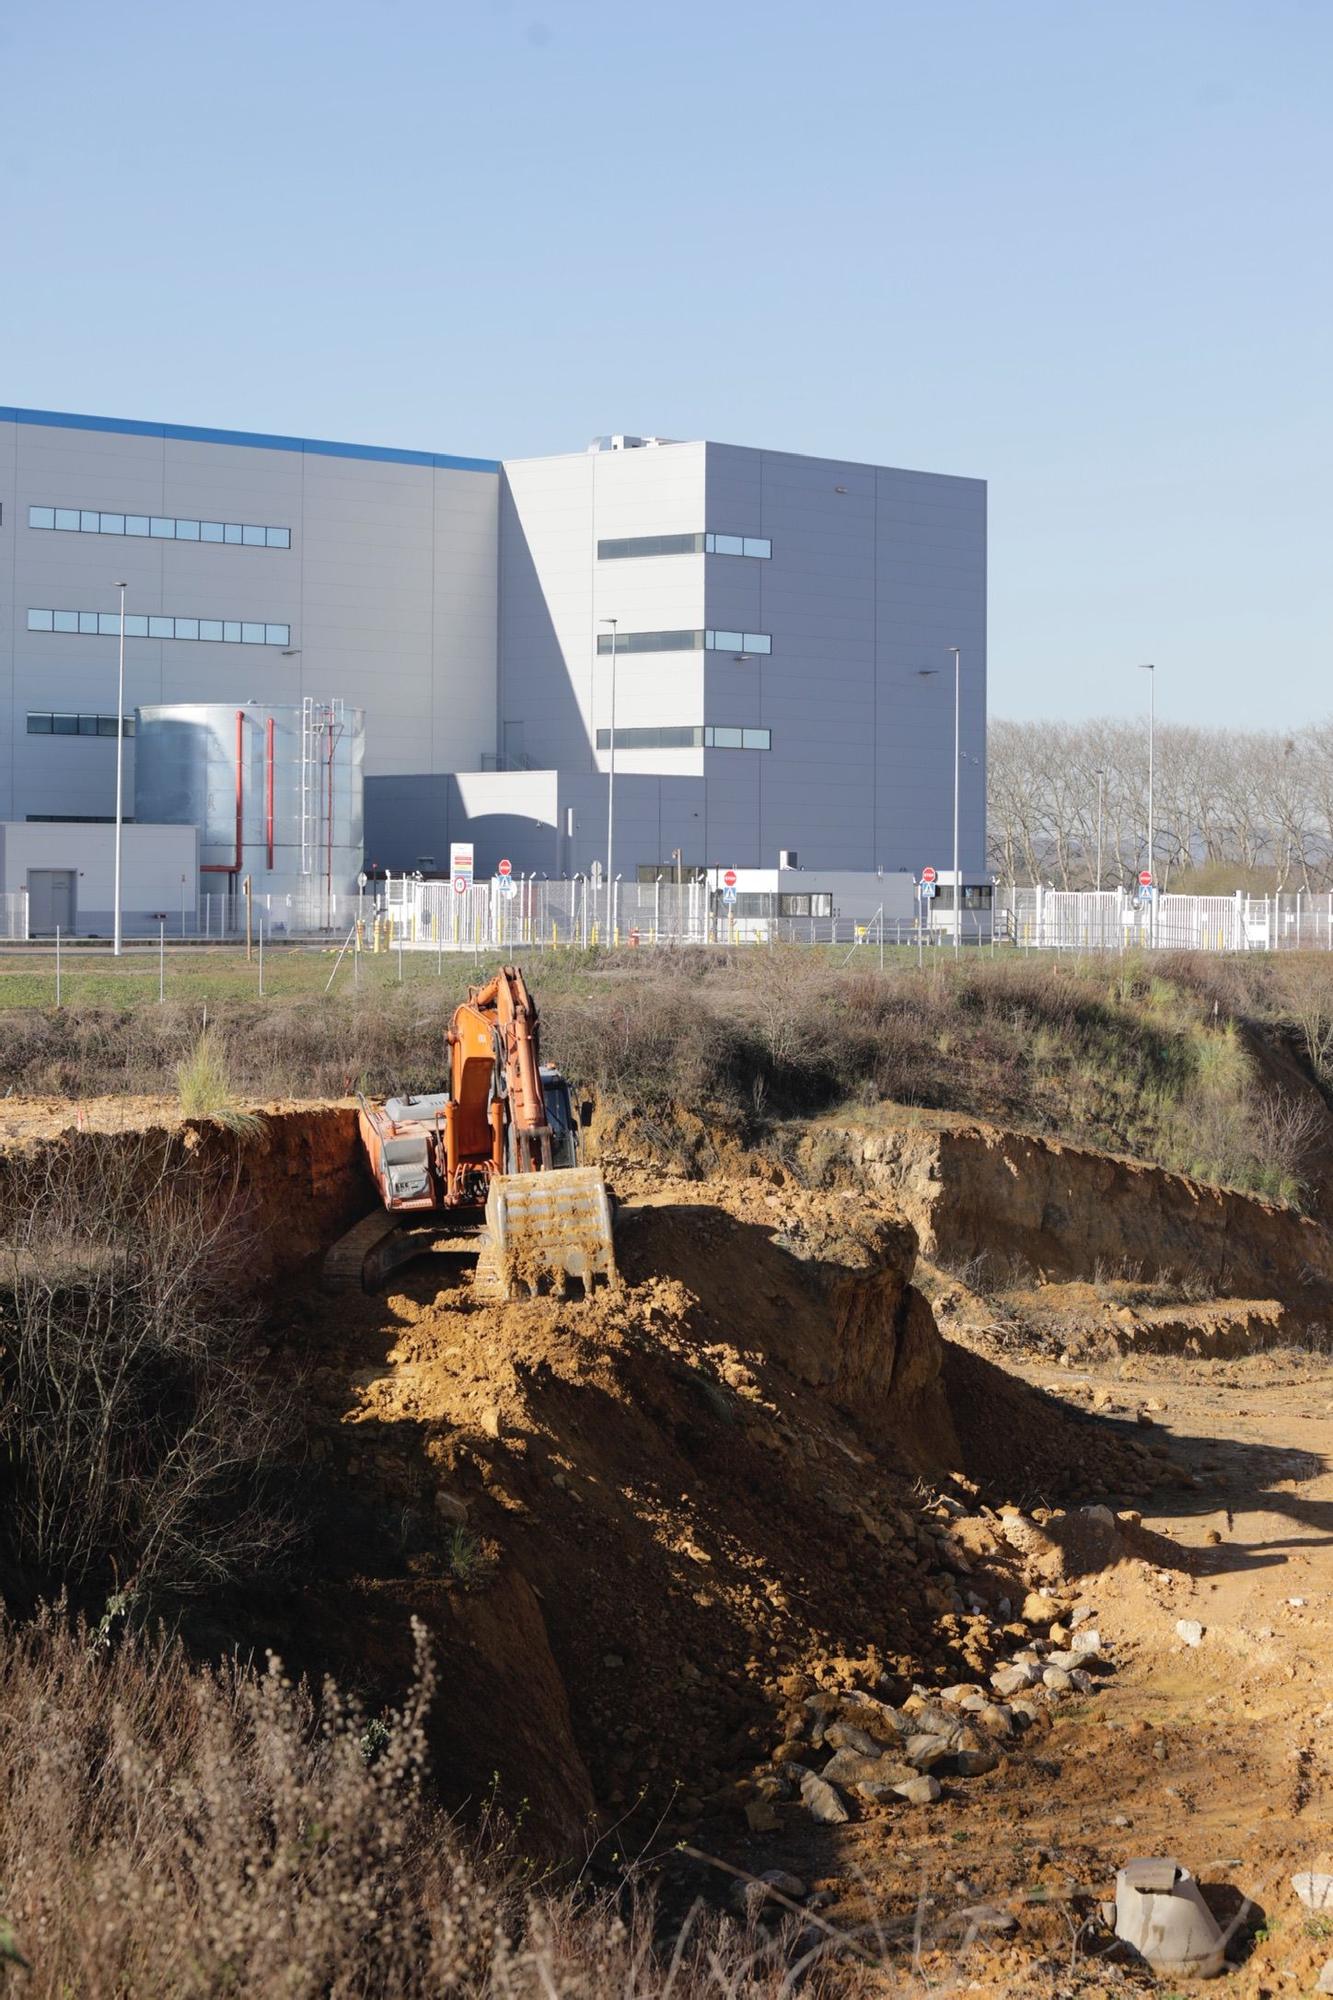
[[650, 642], [668, 872], [650, 545], [684, 545], [652, 739], [806, 906], [685, 642], [234, 632], [738, 545], [738, 642], [708, 737], [45, 722], [159, 527]]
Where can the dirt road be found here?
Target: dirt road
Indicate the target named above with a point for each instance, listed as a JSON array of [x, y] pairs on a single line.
[[1220, 1753]]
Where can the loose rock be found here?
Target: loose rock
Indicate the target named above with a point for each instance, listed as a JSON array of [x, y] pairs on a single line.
[[1190, 1630], [922, 1791], [1315, 1890], [821, 1801], [925, 1751]]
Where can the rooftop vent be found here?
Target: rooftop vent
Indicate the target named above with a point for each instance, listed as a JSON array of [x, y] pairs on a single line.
[[622, 441]]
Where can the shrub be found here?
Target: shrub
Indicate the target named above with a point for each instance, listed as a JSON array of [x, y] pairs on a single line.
[[139, 1445], [176, 1833]]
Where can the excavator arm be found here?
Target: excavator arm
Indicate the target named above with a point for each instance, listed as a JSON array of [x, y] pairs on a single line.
[[506, 1002]]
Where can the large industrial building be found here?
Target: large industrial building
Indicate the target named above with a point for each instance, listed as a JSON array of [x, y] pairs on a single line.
[[771, 632]]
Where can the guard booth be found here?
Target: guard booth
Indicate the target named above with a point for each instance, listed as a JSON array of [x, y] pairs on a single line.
[[808, 905], [977, 912]]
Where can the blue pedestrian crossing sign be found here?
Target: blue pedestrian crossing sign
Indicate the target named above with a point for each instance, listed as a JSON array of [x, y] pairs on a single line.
[[728, 895]]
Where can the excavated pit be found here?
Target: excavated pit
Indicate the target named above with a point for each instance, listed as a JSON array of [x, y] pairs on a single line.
[[626, 1522], [650, 1532]]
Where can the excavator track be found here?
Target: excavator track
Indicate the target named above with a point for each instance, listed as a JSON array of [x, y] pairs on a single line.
[[373, 1249]]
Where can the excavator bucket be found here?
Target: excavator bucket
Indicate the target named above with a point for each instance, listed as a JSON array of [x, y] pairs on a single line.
[[546, 1228]]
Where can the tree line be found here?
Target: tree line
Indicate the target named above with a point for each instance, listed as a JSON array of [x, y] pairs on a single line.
[[1247, 809]]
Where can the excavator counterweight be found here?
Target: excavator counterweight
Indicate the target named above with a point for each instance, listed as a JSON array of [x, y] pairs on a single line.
[[488, 1166]]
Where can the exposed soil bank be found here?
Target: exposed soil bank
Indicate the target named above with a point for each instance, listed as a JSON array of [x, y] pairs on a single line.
[[976, 1191], [290, 1186]]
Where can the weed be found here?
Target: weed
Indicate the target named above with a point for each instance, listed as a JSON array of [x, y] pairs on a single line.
[[470, 1562], [204, 1086]]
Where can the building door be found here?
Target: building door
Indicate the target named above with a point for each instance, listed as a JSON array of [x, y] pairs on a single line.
[[50, 901]]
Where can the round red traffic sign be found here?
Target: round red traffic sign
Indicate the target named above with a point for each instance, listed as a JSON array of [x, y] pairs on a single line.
[[1145, 878], [729, 877], [927, 874], [506, 867], [461, 885]]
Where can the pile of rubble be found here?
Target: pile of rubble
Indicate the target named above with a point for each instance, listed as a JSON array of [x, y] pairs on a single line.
[[846, 1750]]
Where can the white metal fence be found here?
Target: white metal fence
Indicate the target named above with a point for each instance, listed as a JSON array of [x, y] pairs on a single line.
[[1111, 920], [536, 912]]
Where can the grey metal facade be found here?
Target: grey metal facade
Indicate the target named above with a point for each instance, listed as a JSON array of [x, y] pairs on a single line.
[[460, 604]]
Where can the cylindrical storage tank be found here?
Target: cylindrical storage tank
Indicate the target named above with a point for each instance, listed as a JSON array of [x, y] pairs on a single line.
[[276, 793]]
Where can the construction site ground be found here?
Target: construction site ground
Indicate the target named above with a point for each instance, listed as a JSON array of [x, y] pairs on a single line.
[[787, 1465]]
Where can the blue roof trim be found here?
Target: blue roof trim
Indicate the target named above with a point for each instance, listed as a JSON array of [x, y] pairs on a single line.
[[194, 434]]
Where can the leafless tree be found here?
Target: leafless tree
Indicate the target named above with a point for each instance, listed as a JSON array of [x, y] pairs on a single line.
[[1254, 803]]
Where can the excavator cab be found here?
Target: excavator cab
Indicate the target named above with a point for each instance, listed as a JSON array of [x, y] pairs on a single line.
[[560, 1118]]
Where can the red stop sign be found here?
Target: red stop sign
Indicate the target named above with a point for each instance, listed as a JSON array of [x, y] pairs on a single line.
[[506, 867], [730, 878], [927, 874], [1145, 878]]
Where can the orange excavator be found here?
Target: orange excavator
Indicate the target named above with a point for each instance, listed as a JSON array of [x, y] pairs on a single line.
[[487, 1167]]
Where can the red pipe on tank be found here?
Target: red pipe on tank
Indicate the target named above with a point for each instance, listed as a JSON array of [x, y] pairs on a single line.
[[328, 878], [268, 788], [234, 867]]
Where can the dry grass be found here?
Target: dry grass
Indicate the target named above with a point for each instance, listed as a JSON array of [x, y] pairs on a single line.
[[178, 1833], [1145, 1059], [204, 1086]]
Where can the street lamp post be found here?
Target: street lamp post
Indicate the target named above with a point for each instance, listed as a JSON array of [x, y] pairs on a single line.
[[957, 771], [1149, 668], [120, 777], [611, 793], [1101, 795]]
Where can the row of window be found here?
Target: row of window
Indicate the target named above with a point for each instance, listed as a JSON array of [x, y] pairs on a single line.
[[759, 903], [709, 736], [685, 545], [684, 642], [230, 631], [44, 722], [159, 527]]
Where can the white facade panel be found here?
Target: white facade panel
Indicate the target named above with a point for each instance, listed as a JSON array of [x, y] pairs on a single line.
[[159, 870]]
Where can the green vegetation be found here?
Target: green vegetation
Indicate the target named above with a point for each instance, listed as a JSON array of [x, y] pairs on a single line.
[[205, 1089], [1211, 1066]]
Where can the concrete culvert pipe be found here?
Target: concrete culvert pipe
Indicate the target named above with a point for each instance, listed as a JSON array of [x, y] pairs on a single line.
[[1160, 1912]]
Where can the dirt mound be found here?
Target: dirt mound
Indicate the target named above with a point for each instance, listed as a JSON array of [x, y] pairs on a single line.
[[703, 1485]]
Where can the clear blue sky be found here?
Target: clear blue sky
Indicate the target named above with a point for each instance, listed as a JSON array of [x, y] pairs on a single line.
[[1078, 247]]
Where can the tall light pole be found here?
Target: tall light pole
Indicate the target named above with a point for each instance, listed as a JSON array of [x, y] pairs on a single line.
[[957, 769], [611, 794], [120, 776], [1150, 669], [1101, 795]]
